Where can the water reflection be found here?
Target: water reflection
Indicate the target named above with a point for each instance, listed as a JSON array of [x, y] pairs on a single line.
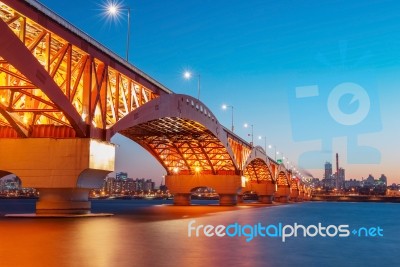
[[130, 240]]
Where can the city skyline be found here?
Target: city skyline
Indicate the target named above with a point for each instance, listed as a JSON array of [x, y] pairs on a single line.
[[281, 50]]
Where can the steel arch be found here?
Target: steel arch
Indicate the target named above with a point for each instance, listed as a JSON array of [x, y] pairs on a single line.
[[182, 134]]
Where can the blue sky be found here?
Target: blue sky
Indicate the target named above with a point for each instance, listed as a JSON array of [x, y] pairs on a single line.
[[254, 55]]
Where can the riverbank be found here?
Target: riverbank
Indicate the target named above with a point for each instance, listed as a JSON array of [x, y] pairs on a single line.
[[357, 198]]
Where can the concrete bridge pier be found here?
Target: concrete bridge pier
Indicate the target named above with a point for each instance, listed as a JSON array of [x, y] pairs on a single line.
[[227, 186], [265, 192], [239, 198], [182, 199], [63, 201], [265, 199], [294, 195], [63, 170], [300, 198], [228, 199], [283, 194]]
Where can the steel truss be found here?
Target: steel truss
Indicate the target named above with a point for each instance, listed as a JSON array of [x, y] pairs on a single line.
[[48, 81]]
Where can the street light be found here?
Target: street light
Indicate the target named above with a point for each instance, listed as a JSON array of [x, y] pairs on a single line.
[[271, 146], [265, 142], [224, 107], [113, 10], [188, 75], [252, 136]]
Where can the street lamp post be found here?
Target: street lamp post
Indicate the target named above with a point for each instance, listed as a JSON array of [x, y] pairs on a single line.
[[113, 11], [187, 75], [229, 106], [265, 142], [271, 146], [252, 135]]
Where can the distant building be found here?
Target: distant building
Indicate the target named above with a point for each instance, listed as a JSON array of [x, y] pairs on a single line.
[[328, 170], [124, 185], [121, 175], [369, 182], [341, 177], [383, 180], [149, 185], [109, 185], [352, 184], [329, 183], [10, 183]]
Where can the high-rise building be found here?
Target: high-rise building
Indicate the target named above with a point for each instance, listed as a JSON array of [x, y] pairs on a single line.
[[328, 170], [109, 184], [121, 175]]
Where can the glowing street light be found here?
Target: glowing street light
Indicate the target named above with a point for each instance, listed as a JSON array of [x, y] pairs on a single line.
[[188, 75], [224, 107], [113, 10]]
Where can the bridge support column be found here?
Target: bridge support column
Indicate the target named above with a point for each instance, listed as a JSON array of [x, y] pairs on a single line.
[[63, 201], [64, 170], [227, 199], [295, 195], [227, 186], [266, 199], [265, 192], [182, 199], [240, 198], [283, 199], [283, 194]]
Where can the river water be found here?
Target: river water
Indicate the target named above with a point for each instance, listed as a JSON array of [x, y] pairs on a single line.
[[150, 233]]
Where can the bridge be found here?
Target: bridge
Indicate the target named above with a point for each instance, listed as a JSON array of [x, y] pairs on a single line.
[[63, 96]]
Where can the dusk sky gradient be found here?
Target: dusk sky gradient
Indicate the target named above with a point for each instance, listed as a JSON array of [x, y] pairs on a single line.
[[259, 56]]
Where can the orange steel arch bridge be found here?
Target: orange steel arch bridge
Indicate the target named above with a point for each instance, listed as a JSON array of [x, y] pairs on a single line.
[[63, 96]]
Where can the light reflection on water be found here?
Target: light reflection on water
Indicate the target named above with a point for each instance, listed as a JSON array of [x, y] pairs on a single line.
[[129, 240]]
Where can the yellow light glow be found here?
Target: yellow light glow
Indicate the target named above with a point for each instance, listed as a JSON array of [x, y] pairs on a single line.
[[197, 169], [244, 181], [176, 170], [102, 155]]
